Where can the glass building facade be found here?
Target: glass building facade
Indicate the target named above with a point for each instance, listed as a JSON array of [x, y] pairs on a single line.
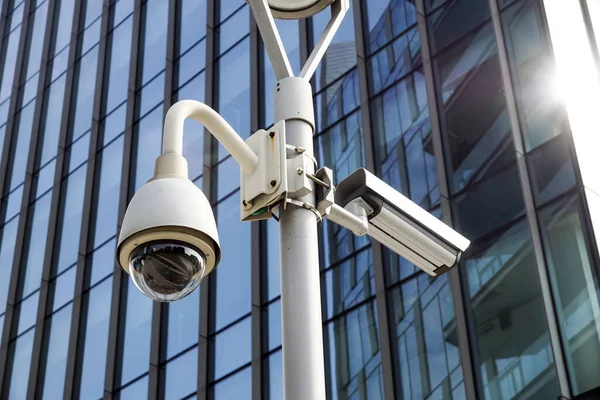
[[451, 102]]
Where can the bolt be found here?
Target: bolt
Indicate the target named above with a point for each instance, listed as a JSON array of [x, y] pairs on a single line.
[[273, 183], [272, 134], [299, 171]]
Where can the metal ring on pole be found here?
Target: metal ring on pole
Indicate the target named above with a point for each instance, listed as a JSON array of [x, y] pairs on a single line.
[[302, 151], [307, 207]]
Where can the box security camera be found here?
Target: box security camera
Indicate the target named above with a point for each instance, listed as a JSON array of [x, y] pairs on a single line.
[[401, 225]]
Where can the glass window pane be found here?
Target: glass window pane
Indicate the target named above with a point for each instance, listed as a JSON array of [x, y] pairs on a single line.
[[193, 22], [123, 8], [149, 139], [27, 312], [513, 338], [91, 36], [8, 240], [337, 100], [236, 387], [21, 152], [275, 376], [63, 288], [13, 203], [471, 84], [576, 290], [118, 76], [228, 172], [59, 330], [135, 391], [151, 94], [71, 219], [348, 284], [37, 39], [403, 135], [195, 90], [454, 20], [386, 19], [21, 350], [193, 146], [228, 7], [52, 120], [114, 123], [233, 348], [341, 54], [86, 88], [233, 275], [273, 260], [10, 64], [533, 70], [36, 247], [102, 262], [78, 152], [95, 341], [274, 325], [478, 211], [354, 355], [65, 22], [183, 324], [182, 376], [232, 30], [155, 38], [395, 61], [45, 178], [191, 63], [110, 160], [136, 345], [234, 90]]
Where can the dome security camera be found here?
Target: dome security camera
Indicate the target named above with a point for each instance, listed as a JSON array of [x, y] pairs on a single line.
[[297, 9], [168, 240]]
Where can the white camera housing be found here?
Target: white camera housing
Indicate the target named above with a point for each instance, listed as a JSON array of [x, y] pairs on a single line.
[[401, 225]]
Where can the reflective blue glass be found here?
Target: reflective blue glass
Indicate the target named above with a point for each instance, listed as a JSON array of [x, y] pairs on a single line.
[[95, 341], [149, 138], [402, 131], [37, 39], [183, 324], [136, 344], [181, 376], [13, 203], [52, 119], [118, 77], [273, 260], [512, 333], [576, 288], [386, 19], [193, 144], [135, 391], [36, 246], [355, 358], [110, 162], [233, 348], [275, 376], [348, 284], [227, 7], [337, 100], [59, 330], [71, 219], [236, 387], [45, 178], [27, 312], [341, 54], [155, 38], [102, 262], [22, 348], [274, 325], [234, 90], [191, 63], [194, 89], [7, 252], [123, 8], [232, 30], [232, 288], [63, 288], [192, 23], [86, 88], [114, 124], [65, 22], [228, 172], [78, 152], [91, 36], [10, 61], [152, 94], [59, 63], [93, 10], [21, 152]]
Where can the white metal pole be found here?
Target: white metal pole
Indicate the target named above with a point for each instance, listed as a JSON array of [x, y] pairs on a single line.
[[302, 324]]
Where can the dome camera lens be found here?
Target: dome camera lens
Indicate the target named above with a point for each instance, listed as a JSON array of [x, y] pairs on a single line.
[[166, 271]]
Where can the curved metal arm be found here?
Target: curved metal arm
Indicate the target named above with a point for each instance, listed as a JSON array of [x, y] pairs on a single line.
[[216, 125]]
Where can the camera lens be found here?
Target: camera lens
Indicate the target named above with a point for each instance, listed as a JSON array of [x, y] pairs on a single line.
[[166, 271]]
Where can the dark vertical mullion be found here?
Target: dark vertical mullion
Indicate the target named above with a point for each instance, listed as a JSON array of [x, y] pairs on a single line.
[[78, 317], [12, 128], [256, 102], [12, 124], [385, 341], [32, 164], [464, 326], [160, 311], [40, 337], [530, 210], [114, 357]]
